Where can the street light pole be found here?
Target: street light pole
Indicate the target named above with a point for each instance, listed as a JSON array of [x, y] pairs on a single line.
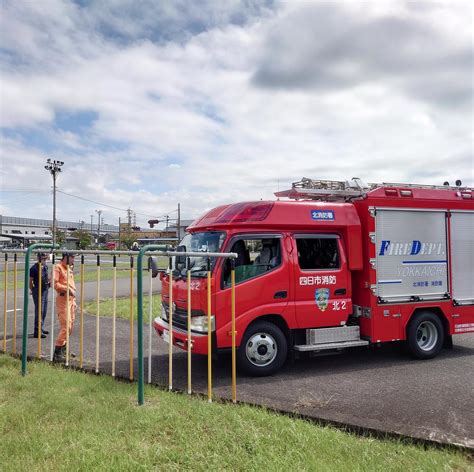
[[54, 167], [99, 212]]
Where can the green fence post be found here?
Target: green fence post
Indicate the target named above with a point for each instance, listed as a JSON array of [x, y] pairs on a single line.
[[141, 381], [26, 299]]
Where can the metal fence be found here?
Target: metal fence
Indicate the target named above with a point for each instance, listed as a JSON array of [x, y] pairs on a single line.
[[132, 259]]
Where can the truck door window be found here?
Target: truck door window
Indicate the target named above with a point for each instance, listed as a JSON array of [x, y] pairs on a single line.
[[317, 253], [255, 257]]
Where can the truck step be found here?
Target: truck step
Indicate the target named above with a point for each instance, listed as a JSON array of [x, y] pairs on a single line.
[[332, 335], [326, 346]]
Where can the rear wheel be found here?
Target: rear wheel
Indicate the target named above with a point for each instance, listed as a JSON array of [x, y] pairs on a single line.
[[425, 335], [263, 349]]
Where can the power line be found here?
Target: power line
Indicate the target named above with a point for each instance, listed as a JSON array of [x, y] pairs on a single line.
[[25, 191], [20, 199], [29, 191], [113, 207], [92, 201]]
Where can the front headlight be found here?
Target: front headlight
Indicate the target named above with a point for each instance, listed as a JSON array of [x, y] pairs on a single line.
[[164, 314], [199, 323]]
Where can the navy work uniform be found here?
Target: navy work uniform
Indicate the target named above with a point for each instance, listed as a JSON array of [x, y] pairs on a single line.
[[34, 287]]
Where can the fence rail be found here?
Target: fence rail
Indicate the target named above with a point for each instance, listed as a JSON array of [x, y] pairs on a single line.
[[136, 272]]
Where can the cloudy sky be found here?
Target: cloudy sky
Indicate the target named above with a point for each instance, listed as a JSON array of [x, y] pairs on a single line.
[[151, 103]]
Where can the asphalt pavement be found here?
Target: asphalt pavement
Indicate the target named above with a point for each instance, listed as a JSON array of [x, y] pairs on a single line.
[[381, 389]]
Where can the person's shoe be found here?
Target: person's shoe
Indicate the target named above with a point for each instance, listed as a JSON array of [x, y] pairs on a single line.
[[44, 331], [36, 335], [59, 354]]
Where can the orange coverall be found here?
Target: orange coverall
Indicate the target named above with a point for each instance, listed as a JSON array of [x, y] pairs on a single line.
[[60, 285]]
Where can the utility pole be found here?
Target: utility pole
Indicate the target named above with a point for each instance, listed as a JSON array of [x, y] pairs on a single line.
[[179, 223], [119, 238], [99, 212], [54, 168]]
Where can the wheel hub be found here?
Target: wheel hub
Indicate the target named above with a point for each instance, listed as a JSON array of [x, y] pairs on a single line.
[[426, 335], [261, 349]]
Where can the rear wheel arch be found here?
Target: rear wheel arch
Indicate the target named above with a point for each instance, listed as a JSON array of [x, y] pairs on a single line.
[[436, 310]]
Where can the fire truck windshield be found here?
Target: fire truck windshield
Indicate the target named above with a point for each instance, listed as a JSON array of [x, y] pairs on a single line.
[[208, 241]]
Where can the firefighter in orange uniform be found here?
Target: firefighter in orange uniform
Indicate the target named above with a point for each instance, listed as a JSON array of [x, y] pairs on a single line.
[[60, 285]]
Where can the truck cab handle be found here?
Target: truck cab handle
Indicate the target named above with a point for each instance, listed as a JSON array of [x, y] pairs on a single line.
[[340, 291], [281, 294]]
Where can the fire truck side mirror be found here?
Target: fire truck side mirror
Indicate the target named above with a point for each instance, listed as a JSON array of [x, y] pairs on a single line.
[[153, 266], [180, 261]]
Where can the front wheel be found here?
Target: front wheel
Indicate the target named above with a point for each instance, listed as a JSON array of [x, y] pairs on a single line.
[[425, 335], [263, 349]]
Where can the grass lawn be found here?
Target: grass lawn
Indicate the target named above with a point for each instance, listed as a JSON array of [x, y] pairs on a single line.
[[90, 275], [123, 307], [54, 419]]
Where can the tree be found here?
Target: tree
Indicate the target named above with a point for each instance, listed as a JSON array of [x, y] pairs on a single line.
[[84, 238], [128, 240], [60, 237]]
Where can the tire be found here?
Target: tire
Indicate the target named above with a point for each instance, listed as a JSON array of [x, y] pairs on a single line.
[[425, 335], [263, 349]]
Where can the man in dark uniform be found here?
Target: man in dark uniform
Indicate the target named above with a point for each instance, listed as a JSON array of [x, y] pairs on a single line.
[[34, 289]]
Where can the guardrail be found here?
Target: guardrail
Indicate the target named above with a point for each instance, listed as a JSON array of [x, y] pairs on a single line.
[[147, 251]]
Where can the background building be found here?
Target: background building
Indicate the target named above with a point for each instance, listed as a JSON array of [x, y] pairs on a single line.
[[16, 231]]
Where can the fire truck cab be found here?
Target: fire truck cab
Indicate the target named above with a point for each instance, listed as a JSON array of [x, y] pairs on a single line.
[[335, 265]]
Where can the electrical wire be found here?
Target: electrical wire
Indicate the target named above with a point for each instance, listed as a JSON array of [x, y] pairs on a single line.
[[25, 191], [113, 207], [29, 192], [26, 197]]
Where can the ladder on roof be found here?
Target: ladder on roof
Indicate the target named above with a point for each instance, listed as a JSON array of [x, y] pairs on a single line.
[[346, 190], [327, 190]]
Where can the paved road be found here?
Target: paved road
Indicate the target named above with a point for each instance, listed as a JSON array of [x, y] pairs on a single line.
[[379, 388]]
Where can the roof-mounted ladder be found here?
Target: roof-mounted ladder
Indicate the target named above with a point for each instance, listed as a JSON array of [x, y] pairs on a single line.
[[346, 190], [328, 190]]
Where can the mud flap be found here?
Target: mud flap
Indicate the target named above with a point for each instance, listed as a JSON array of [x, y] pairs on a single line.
[[448, 342]]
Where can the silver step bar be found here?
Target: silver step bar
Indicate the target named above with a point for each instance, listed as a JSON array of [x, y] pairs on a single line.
[[323, 339], [327, 346], [332, 335]]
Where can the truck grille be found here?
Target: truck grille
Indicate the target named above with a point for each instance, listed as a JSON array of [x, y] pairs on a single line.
[[180, 315]]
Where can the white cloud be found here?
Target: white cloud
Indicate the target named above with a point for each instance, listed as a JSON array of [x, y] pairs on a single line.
[[180, 116]]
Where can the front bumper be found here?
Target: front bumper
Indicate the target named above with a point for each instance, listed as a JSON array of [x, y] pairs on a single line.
[[180, 337]]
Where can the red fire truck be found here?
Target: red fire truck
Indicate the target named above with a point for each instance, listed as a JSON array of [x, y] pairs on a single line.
[[330, 265]]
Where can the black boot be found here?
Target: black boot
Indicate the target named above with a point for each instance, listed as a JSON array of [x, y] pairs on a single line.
[[59, 354]]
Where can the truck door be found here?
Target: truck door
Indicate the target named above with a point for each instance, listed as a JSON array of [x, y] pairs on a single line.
[[261, 283], [322, 281]]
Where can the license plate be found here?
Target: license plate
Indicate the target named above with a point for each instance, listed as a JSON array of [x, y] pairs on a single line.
[[166, 336]]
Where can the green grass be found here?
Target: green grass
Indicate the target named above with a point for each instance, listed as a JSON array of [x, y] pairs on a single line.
[[54, 419], [123, 307], [90, 271], [90, 275]]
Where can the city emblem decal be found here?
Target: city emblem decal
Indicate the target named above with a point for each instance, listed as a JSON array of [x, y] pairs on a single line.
[[321, 296]]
